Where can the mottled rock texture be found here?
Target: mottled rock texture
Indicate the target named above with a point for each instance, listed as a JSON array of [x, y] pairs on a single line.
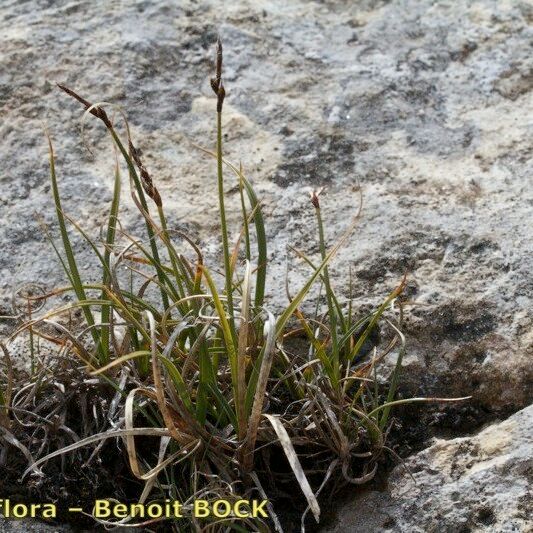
[[27, 526], [480, 483], [423, 104]]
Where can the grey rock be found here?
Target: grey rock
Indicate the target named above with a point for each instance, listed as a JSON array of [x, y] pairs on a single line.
[[475, 484], [423, 105], [27, 525]]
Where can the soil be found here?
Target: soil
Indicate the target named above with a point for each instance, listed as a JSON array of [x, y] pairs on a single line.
[[71, 483]]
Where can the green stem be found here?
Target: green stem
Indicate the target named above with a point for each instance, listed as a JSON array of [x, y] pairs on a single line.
[[110, 239], [224, 229], [72, 271], [245, 221], [331, 307], [144, 205], [178, 269]]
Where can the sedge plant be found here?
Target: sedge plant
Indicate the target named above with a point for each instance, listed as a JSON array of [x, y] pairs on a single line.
[[197, 361]]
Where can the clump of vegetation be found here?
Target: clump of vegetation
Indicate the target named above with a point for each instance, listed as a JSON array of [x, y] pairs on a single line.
[[208, 389]]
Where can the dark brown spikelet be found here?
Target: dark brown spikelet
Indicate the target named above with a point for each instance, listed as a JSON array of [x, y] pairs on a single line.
[[216, 82], [314, 199], [97, 111], [146, 180], [219, 58], [219, 62], [220, 97]]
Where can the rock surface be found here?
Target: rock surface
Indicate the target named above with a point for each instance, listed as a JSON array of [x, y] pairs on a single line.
[[422, 104], [26, 526], [468, 484]]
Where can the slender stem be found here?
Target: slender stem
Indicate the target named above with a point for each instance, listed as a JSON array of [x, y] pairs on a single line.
[[224, 229], [245, 221], [331, 308], [72, 270], [171, 252], [32, 349], [142, 199], [110, 239]]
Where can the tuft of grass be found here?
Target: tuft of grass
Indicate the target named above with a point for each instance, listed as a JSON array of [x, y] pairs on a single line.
[[204, 370]]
